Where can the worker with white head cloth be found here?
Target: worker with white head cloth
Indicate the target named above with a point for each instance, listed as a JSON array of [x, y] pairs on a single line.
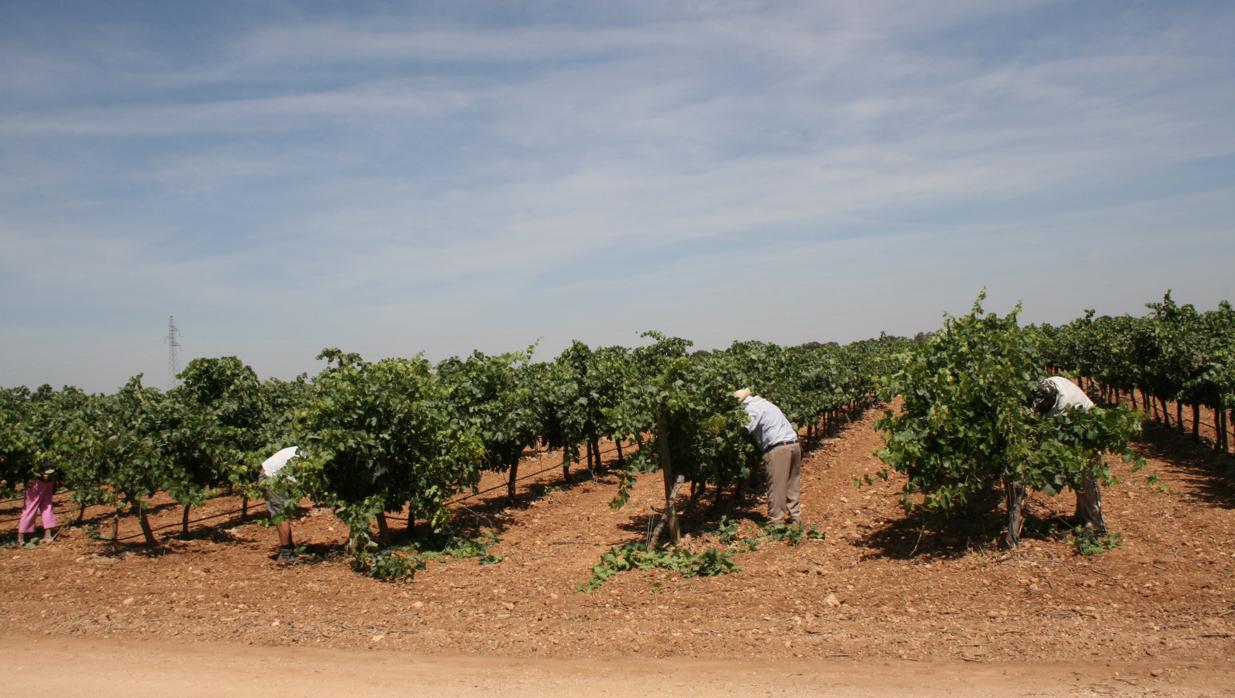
[[276, 503], [782, 456], [1056, 395]]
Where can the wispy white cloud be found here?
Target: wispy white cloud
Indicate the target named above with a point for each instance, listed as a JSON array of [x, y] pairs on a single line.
[[326, 175], [389, 100]]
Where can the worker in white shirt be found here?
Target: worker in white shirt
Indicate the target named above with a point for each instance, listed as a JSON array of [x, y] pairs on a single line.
[[782, 456], [275, 503], [1056, 395]]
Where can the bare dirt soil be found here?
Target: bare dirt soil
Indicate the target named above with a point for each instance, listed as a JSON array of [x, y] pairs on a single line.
[[1155, 615], [124, 668]]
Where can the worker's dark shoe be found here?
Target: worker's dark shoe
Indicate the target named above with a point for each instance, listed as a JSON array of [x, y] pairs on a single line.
[[287, 556]]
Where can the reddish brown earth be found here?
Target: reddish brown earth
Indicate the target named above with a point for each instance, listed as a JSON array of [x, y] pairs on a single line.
[[880, 589], [126, 668]]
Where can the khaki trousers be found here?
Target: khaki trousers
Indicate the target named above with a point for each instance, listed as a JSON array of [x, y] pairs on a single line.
[[783, 465]]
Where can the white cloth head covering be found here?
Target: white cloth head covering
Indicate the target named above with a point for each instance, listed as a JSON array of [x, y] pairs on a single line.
[[272, 465]]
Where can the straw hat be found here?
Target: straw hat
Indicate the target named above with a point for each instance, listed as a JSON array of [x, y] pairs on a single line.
[[742, 394]]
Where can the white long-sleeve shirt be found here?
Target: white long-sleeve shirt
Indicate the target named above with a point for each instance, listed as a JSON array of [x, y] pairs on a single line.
[[767, 423], [1070, 396]]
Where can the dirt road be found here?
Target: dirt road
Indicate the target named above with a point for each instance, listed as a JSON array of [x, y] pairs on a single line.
[[105, 668]]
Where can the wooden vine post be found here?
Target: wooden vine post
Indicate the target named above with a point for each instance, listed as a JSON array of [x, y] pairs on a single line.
[[1226, 420], [511, 480], [1014, 496], [383, 528], [143, 521], [666, 470], [593, 452], [1219, 428], [654, 536]]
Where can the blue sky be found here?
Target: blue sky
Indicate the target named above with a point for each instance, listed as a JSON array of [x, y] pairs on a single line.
[[392, 178]]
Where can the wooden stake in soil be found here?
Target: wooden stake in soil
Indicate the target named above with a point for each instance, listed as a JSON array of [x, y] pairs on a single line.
[[1226, 442], [1227, 418], [593, 446], [147, 532], [510, 482], [654, 536], [383, 528], [666, 469], [1226, 421], [1089, 504], [1219, 431], [1014, 495]]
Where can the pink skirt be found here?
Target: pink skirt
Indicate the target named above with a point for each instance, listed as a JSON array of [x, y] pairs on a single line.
[[38, 502]]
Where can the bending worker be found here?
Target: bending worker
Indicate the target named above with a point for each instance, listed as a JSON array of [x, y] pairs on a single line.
[[782, 456], [1055, 395], [277, 504]]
